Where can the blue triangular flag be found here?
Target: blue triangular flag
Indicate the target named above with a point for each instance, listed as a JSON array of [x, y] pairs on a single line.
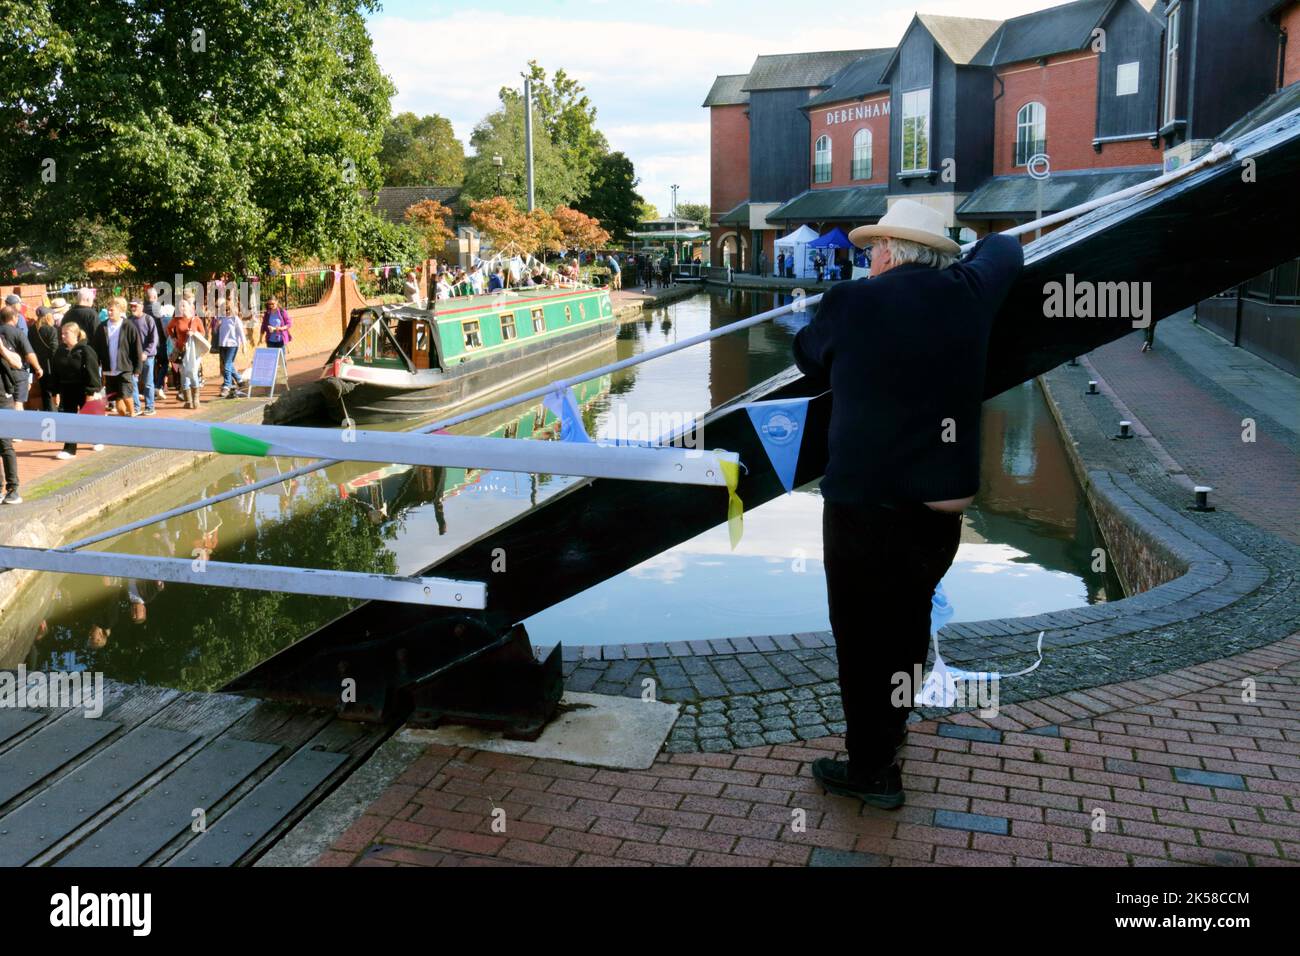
[[561, 403], [780, 428]]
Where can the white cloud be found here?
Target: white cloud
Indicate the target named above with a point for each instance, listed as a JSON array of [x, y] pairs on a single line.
[[646, 78]]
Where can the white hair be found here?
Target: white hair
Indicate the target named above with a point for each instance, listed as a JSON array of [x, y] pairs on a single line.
[[902, 251], [85, 297]]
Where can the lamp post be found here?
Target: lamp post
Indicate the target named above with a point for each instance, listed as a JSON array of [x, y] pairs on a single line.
[[675, 188], [499, 163]]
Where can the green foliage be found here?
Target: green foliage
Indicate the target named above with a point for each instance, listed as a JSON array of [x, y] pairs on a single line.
[[421, 151], [563, 109], [371, 238], [612, 197], [697, 212], [502, 134], [647, 212], [216, 135]]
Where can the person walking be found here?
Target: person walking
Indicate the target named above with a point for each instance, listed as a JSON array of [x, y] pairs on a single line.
[[147, 326], [780, 265], [230, 343], [84, 313], [121, 355], [154, 308], [14, 353], [45, 342], [28, 367], [615, 274], [184, 326], [904, 354], [75, 375], [275, 327]]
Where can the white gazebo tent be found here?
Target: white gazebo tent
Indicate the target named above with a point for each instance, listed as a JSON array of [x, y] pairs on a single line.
[[795, 246]]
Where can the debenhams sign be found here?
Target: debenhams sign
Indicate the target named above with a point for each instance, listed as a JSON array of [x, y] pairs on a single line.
[[859, 112]]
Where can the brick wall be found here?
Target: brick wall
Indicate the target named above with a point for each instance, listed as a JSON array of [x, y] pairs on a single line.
[[846, 124], [1067, 87], [1290, 22], [728, 157]]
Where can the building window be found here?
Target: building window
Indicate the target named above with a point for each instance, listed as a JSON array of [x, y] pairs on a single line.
[[916, 132], [822, 160], [472, 338], [1031, 132], [1126, 78], [1287, 290], [862, 154], [1171, 65], [539, 320], [507, 326]]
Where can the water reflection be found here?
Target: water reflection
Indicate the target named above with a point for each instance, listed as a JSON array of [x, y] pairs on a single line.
[[1026, 546]]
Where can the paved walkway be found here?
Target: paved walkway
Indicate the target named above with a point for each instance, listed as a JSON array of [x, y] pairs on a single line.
[[38, 460], [1178, 769], [1194, 393]]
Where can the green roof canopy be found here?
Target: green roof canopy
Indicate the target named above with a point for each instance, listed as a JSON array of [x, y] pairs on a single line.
[[1011, 196], [845, 203]]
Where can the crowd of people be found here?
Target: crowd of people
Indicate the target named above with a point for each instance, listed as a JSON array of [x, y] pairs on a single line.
[[110, 355]]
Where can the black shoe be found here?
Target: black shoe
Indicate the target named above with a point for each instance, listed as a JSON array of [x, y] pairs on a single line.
[[881, 788]]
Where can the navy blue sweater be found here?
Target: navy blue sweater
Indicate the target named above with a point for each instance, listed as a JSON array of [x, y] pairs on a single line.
[[904, 354]]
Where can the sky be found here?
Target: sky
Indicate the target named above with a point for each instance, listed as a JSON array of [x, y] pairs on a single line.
[[646, 66]]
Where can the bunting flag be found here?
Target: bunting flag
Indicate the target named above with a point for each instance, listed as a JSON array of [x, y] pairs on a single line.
[[940, 686], [288, 280], [232, 443], [735, 507], [562, 404], [780, 427], [322, 275]]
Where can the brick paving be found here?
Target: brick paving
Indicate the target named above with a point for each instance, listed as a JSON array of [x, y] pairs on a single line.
[[38, 460], [1202, 429], [1182, 769]]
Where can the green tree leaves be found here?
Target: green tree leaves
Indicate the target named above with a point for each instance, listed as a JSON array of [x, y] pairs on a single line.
[[421, 151], [218, 135]]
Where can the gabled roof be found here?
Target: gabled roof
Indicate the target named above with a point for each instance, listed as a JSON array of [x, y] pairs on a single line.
[[1279, 104], [392, 201], [786, 71], [737, 216], [961, 38], [859, 79], [1044, 33], [728, 90]]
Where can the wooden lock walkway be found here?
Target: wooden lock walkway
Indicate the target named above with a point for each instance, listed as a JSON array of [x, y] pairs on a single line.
[[125, 788]]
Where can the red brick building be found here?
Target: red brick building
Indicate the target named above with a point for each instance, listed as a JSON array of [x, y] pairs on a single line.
[[728, 106]]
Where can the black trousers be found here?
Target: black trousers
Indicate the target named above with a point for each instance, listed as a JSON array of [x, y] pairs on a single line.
[[8, 458], [882, 566]]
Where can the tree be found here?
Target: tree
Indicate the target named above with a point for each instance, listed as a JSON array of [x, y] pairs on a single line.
[[215, 135], [501, 222], [544, 233], [696, 212], [562, 108], [579, 231], [647, 211], [429, 218], [502, 134], [421, 151], [613, 198]]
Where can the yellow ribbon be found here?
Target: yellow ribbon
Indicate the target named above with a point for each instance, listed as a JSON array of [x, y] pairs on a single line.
[[735, 507]]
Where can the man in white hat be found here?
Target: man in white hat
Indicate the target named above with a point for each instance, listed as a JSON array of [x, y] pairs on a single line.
[[904, 353]]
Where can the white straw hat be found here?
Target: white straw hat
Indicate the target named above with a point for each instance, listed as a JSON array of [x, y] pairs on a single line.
[[910, 220]]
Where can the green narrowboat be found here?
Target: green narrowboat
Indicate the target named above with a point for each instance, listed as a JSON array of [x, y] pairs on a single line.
[[401, 362]]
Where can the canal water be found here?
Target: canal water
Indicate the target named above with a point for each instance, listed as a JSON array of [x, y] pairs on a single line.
[[1027, 544]]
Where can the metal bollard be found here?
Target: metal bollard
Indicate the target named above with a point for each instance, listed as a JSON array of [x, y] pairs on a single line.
[[1202, 499], [1092, 388], [1125, 430]]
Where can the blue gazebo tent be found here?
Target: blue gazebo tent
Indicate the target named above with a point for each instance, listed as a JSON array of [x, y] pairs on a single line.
[[834, 239]]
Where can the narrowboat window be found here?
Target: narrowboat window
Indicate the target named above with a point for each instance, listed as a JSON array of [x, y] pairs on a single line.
[[582, 310], [568, 314], [507, 326], [421, 336], [472, 338], [539, 320]]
